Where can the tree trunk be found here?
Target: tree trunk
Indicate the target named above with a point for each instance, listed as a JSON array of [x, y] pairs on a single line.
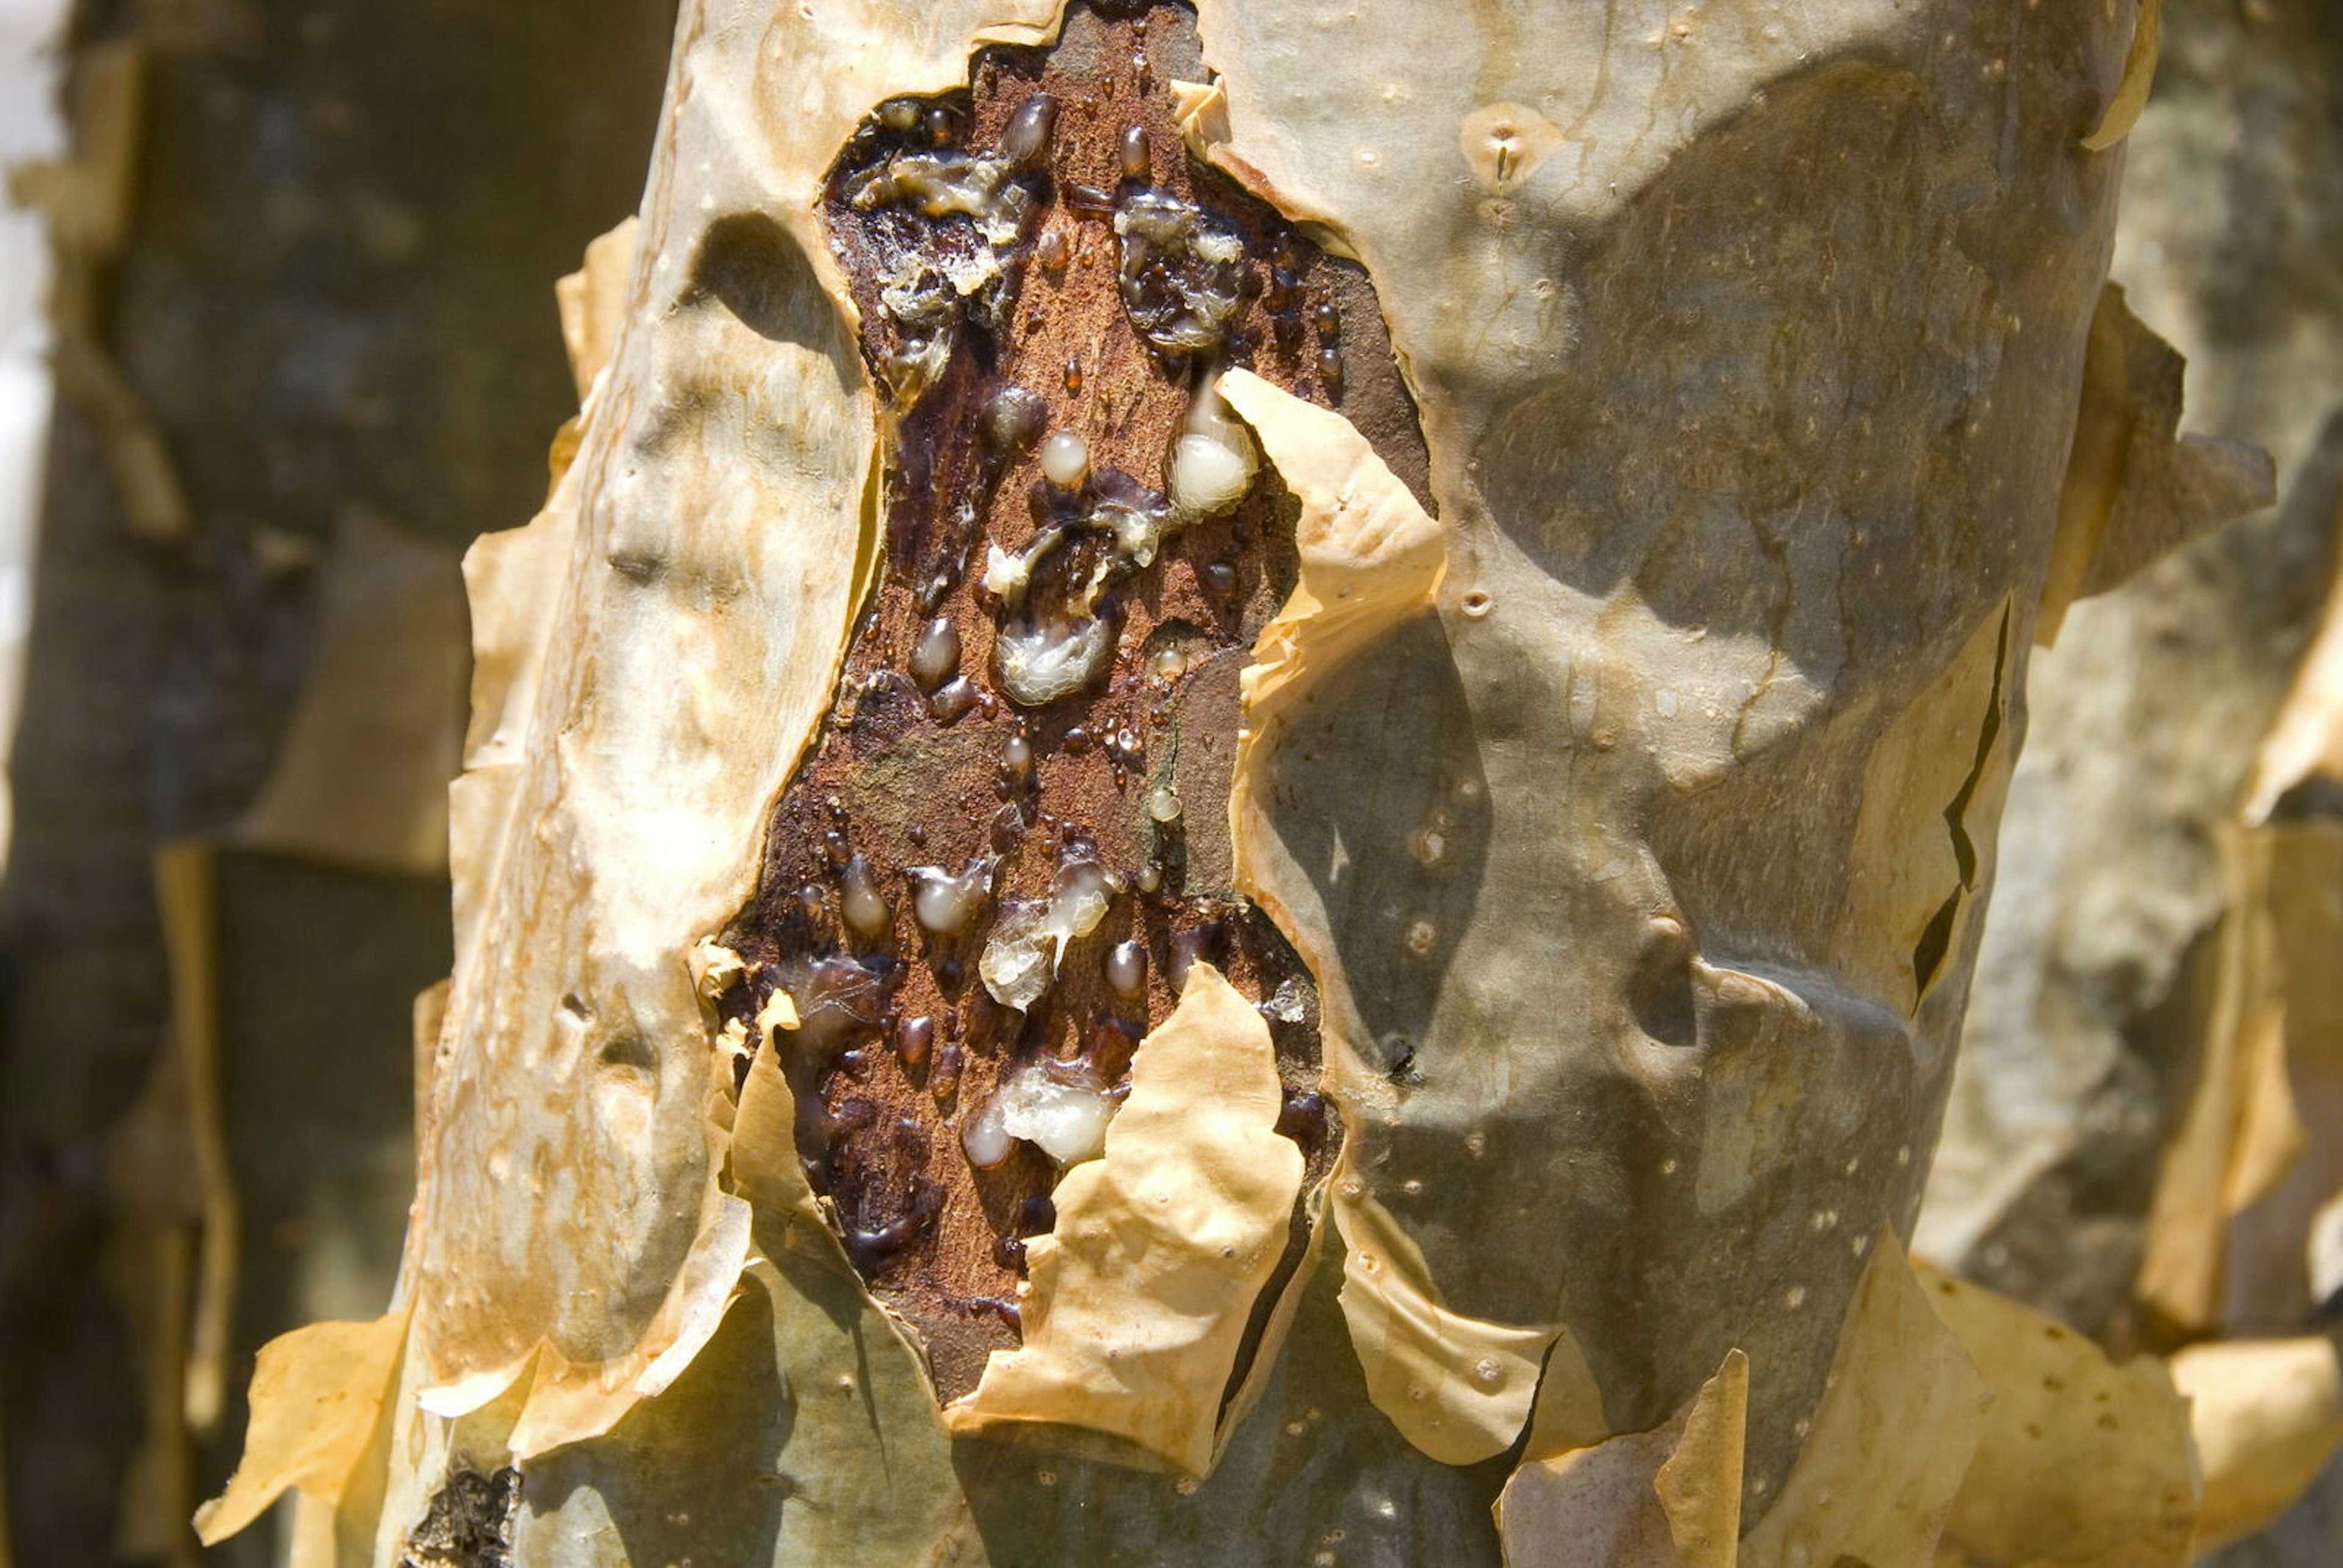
[[1236, 807], [305, 357]]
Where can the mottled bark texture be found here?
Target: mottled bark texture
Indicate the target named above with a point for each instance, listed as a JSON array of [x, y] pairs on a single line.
[[306, 356], [1614, 766]]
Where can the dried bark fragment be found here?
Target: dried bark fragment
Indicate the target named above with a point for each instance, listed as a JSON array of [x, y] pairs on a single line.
[[2279, 1264], [1883, 1458], [361, 777], [2082, 1462], [90, 201], [1590, 1507], [317, 1395], [593, 301], [1669, 1498], [1699, 1486], [2266, 1416], [2130, 95], [1141, 1292], [2135, 489], [187, 896]]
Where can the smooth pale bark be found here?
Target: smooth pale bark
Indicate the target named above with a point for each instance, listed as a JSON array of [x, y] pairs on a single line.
[[1631, 805]]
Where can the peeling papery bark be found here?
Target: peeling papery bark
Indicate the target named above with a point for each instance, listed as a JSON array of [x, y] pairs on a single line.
[[1141, 1292], [1719, 798], [1622, 759]]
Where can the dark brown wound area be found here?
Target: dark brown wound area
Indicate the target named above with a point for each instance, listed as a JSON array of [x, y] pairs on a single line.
[[988, 879]]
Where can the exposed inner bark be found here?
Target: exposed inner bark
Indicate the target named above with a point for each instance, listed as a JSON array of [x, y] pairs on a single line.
[[469, 1523], [1023, 736]]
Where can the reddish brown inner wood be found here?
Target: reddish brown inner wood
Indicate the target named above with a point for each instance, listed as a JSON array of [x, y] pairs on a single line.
[[892, 780]]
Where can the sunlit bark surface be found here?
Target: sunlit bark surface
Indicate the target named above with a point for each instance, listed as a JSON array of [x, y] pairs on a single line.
[[1498, 834]]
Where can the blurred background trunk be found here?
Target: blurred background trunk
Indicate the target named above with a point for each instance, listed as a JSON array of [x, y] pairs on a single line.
[[330, 314], [2098, 998]]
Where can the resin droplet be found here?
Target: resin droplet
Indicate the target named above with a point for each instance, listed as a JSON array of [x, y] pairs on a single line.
[[915, 1039], [1049, 250], [1213, 461], [864, 910], [1208, 414], [1168, 662], [1303, 1118], [1011, 423], [935, 657], [837, 998], [1187, 947], [1016, 755], [1065, 460], [1205, 478], [1061, 1108], [1007, 572], [1126, 969], [948, 905], [1135, 517], [944, 1082], [953, 700], [1016, 964], [1025, 141], [1132, 150], [1181, 273], [1040, 664], [983, 1138], [1029, 941], [1163, 804]]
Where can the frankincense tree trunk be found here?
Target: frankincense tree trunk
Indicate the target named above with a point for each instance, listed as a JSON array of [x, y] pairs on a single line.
[[1235, 808]]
